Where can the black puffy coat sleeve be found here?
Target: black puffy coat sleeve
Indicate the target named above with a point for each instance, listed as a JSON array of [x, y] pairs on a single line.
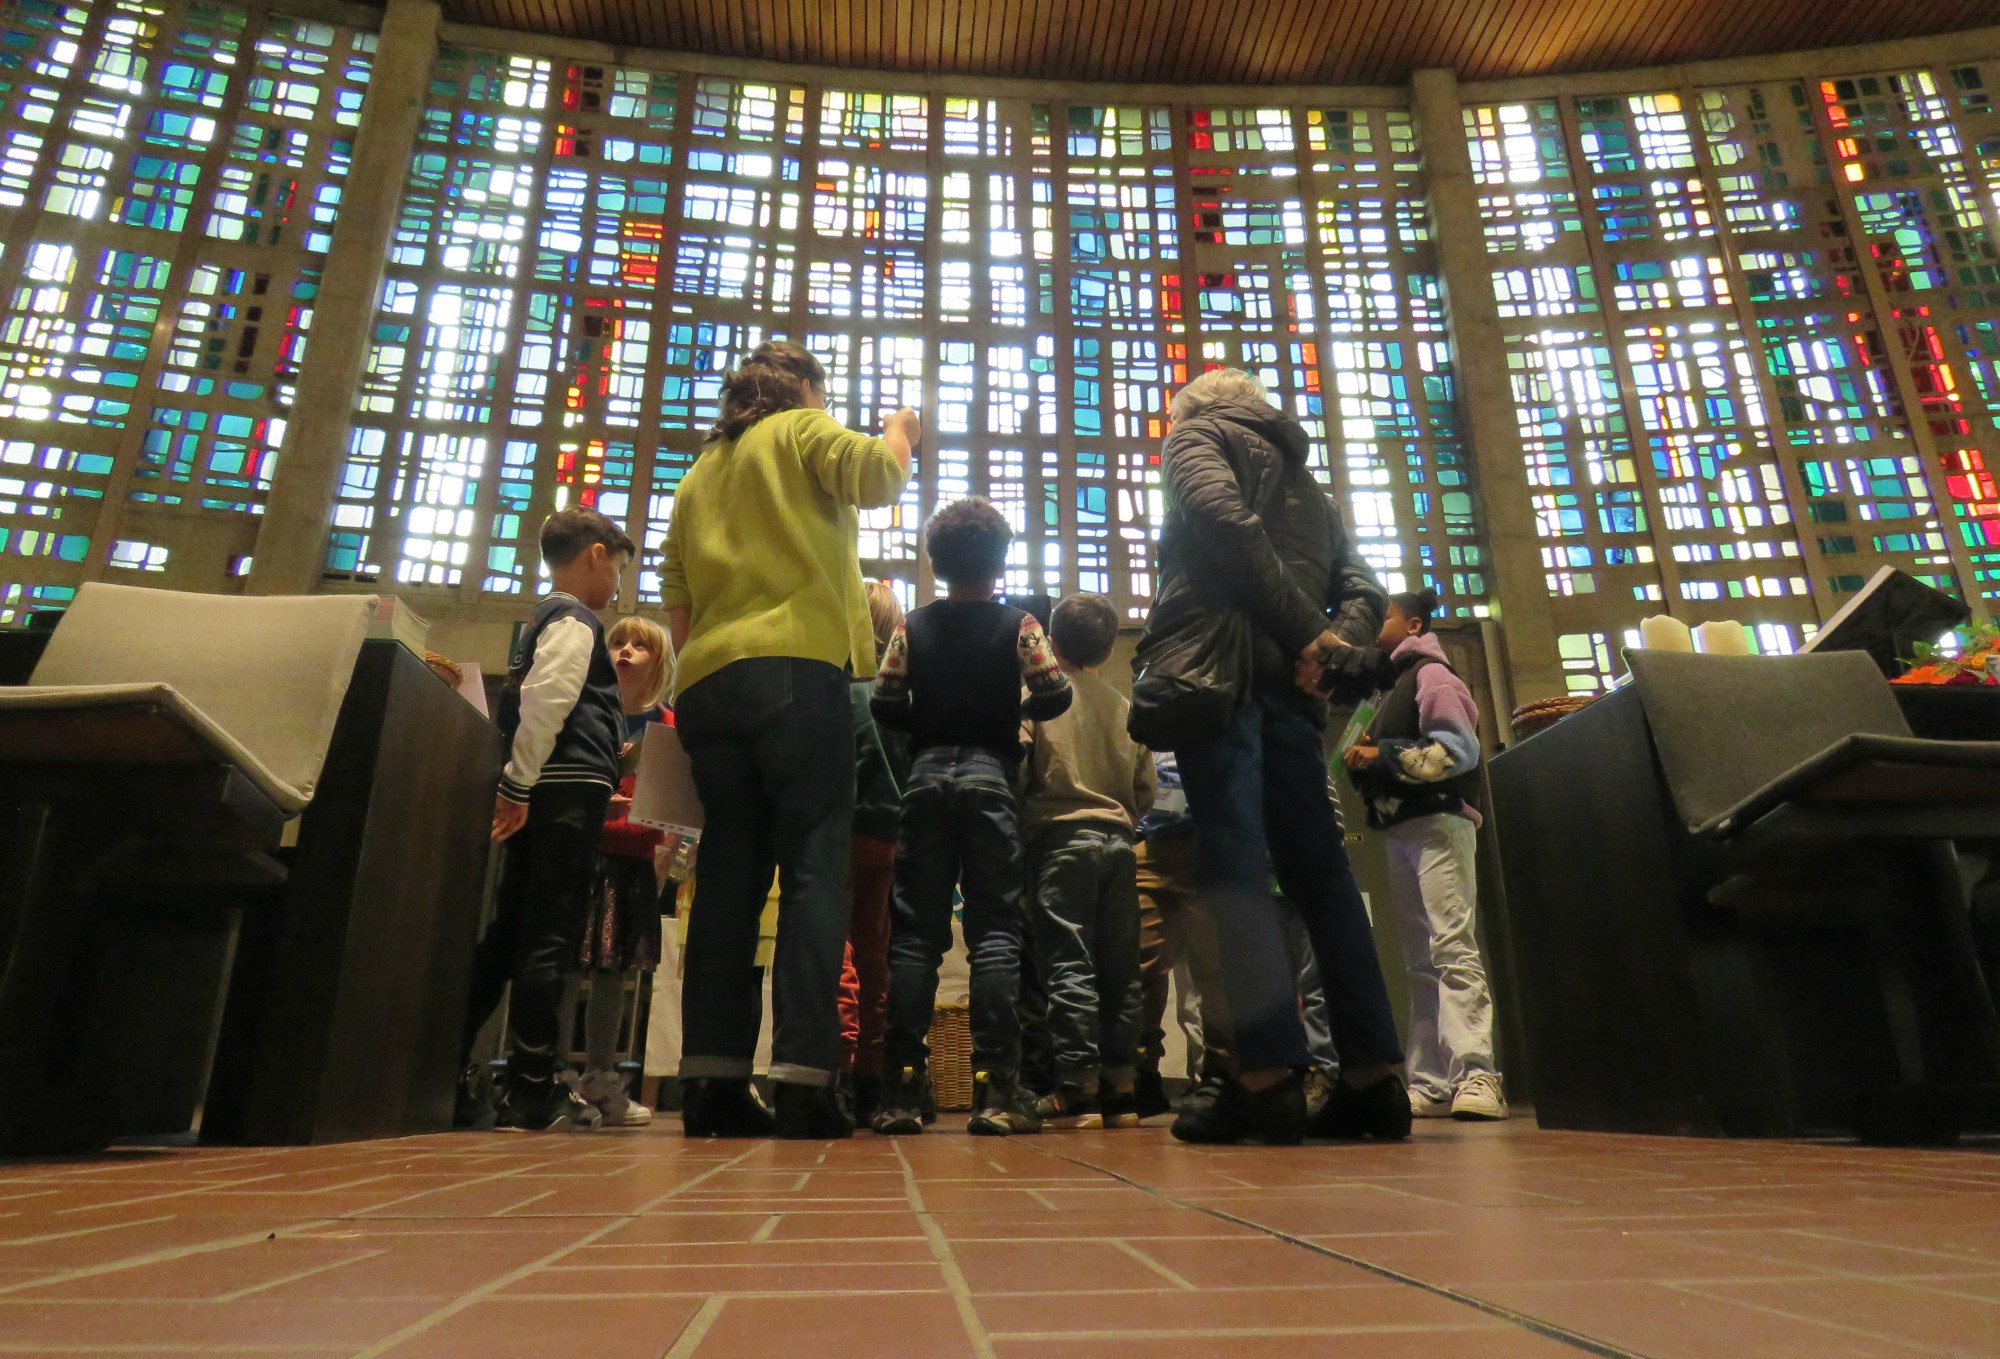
[[1237, 557]]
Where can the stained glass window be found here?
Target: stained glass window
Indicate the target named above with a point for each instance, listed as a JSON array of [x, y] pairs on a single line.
[[170, 174]]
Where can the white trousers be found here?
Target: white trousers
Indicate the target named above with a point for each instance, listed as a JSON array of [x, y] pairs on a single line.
[[1432, 878]]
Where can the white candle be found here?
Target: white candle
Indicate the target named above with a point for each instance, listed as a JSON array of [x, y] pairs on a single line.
[[1661, 633], [1724, 639]]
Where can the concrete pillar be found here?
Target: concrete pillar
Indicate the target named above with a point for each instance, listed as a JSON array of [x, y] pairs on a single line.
[[292, 540], [1486, 403]]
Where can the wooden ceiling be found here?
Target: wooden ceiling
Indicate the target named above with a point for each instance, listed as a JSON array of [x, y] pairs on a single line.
[[1233, 42]]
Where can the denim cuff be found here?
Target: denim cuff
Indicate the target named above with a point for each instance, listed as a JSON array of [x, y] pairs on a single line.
[[715, 1069], [791, 1074]]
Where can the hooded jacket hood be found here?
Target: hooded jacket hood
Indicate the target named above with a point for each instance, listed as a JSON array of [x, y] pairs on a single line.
[[1279, 429], [1425, 645]]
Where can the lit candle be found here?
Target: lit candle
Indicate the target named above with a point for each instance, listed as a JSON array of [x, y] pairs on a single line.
[[1661, 633]]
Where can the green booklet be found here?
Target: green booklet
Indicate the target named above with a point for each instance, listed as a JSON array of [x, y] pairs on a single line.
[[1357, 727]]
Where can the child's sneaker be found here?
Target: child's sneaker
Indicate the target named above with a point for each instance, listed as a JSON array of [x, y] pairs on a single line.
[[555, 1110], [1319, 1089], [902, 1110], [1479, 1100], [1000, 1107], [1428, 1106], [1071, 1106], [1121, 1108], [606, 1090]]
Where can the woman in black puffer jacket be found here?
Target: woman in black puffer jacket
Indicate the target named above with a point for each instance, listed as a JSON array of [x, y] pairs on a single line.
[[1250, 533]]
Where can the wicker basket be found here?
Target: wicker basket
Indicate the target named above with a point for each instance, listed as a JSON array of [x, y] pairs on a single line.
[[951, 1057], [1537, 717]]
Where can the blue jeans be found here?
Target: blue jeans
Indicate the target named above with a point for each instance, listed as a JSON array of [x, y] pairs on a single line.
[[771, 742], [961, 828], [1083, 916], [1260, 803]]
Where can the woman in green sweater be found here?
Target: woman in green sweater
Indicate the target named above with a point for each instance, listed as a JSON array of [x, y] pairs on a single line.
[[763, 589]]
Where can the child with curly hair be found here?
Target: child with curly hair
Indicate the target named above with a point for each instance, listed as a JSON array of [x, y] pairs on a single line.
[[953, 679]]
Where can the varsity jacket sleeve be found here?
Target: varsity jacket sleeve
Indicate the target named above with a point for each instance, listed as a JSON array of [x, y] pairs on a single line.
[[562, 661], [1231, 539], [890, 703], [1449, 721], [1049, 693], [855, 469]]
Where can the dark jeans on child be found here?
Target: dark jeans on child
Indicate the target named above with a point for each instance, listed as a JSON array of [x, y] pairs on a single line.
[[547, 870], [771, 744], [1258, 794], [961, 828], [1083, 915]]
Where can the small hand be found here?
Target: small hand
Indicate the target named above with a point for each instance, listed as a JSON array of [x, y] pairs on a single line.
[[621, 807], [1307, 674], [1361, 757], [508, 817]]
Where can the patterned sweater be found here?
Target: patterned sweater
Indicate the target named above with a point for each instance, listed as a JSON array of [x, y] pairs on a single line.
[[954, 675]]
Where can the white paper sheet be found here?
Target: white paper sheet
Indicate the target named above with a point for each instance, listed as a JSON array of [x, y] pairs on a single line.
[[663, 797], [472, 686]]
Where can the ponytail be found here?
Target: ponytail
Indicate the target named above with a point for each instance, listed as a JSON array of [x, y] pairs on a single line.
[[1419, 605], [777, 377]]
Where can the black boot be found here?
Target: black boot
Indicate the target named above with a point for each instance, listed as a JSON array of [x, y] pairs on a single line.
[[867, 1097], [1151, 1092], [1221, 1111], [811, 1113], [1381, 1111], [712, 1107]]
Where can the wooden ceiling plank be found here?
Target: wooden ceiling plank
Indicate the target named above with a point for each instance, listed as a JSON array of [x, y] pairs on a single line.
[[1315, 32], [1233, 42]]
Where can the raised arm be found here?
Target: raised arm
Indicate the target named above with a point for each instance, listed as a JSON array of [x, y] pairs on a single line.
[[854, 469]]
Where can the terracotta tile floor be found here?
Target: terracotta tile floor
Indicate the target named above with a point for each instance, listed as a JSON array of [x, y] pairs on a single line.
[[1502, 1242]]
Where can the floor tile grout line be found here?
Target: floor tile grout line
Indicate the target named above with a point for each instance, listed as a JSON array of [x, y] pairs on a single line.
[[696, 1329], [1158, 1268], [954, 1276], [493, 1286], [269, 1284], [46, 1237], [1250, 1332], [1697, 1291], [229, 1243], [1547, 1330]]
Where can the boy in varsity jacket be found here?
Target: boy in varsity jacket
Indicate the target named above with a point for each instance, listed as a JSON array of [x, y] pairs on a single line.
[[565, 726], [1417, 765]]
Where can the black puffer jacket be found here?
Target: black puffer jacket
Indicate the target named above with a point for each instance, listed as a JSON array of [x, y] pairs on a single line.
[[1248, 527]]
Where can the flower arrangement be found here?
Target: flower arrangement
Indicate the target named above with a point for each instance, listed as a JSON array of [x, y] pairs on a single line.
[[1978, 640]]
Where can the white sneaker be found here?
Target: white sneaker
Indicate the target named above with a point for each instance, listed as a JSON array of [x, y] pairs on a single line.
[[1479, 1100], [1423, 1106], [606, 1090]]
